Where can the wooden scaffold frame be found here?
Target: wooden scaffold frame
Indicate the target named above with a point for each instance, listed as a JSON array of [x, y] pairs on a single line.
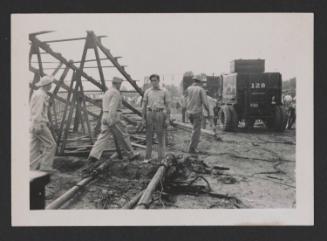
[[75, 113]]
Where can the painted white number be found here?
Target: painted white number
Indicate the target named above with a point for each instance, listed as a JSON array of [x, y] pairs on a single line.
[[258, 85]]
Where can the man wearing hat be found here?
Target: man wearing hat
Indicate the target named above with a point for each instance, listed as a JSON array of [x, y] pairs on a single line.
[[112, 124], [156, 115], [196, 98], [42, 146]]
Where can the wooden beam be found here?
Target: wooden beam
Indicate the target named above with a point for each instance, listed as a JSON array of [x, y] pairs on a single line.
[[145, 199], [189, 128], [69, 39], [67, 101], [56, 204], [132, 108], [96, 52], [88, 67], [69, 120]]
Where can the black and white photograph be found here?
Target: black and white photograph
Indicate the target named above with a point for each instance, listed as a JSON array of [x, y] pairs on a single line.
[[162, 119]]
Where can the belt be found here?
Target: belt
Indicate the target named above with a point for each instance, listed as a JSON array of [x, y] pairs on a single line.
[[156, 110]]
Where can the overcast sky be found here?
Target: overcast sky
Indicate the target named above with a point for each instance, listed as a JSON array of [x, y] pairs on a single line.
[[170, 44]]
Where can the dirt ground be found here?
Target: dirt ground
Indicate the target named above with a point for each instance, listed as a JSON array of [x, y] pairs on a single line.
[[245, 169]]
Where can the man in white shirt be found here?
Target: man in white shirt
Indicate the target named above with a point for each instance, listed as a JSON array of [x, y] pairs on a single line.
[[111, 124], [42, 146], [156, 115]]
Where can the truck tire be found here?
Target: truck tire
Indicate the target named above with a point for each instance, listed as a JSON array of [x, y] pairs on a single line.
[[249, 123], [278, 121], [225, 118], [234, 117]]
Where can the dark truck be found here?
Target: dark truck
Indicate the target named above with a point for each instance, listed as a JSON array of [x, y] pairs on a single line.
[[251, 94]]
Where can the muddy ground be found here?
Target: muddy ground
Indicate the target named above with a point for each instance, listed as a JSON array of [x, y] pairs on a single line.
[[245, 169]]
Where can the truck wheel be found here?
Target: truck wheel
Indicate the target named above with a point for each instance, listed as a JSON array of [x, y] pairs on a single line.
[[234, 118], [278, 122], [249, 123], [225, 118]]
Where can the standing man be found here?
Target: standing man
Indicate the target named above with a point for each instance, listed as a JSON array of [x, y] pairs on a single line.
[[111, 124], [291, 114], [42, 146], [156, 115], [196, 99]]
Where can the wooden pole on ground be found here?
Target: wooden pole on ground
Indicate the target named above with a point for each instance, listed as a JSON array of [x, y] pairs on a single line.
[[56, 204], [145, 199]]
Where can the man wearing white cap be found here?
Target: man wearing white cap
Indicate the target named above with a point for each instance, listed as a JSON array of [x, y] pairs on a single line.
[[42, 146], [196, 98], [111, 124]]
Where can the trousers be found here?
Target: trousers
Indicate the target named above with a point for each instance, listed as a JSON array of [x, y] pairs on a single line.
[[195, 120], [42, 149], [183, 114], [155, 123], [118, 130]]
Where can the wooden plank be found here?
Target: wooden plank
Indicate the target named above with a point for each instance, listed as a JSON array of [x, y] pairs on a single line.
[[146, 196], [67, 101], [189, 128], [131, 203], [69, 120], [96, 52], [82, 96], [88, 67], [57, 69], [69, 39], [85, 113], [91, 60], [132, 108]]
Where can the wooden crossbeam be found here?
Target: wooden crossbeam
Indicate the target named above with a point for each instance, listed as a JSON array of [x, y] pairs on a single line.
[[89, 67], [70, 39], [58, 56]]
